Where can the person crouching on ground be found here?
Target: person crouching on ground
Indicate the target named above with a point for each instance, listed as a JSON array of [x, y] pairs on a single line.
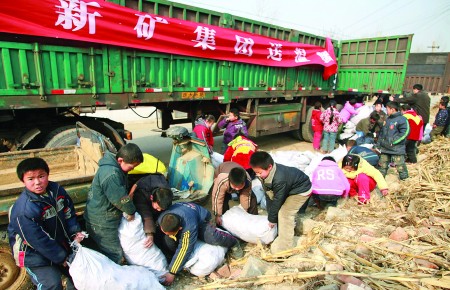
[[42, 224], [363, 178], [329, 183], [239, 150], [368, 154], [151, 195], [286, 189], [230, 178], [108, 200], [440, 121], [183, 224]]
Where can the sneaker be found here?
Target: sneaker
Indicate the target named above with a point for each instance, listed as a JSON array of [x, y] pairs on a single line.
[[236, 251]]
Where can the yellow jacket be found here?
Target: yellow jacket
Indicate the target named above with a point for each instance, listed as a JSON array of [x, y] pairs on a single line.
[[369, 170]]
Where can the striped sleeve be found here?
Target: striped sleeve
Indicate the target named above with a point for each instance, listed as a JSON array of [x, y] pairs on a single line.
[[403, 131], [185, 247]]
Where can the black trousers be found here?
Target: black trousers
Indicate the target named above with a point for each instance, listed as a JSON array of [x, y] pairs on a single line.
[[410, 147]]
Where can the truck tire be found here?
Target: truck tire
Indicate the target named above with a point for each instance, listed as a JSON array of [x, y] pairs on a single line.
[[297, 134], [67, 135], [307, 132], [11, 276]]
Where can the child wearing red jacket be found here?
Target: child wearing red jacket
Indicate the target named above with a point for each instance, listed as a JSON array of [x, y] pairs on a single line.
[[415, 132], [239, 150], [317, 125]]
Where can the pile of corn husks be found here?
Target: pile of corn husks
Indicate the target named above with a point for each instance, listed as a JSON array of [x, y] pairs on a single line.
[[401, 241]]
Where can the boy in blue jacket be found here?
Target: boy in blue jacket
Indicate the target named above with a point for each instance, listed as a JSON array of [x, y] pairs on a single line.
[[42, 225], [183, 224]]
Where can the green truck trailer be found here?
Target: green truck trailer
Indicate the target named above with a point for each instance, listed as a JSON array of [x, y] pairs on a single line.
[[47, 83]]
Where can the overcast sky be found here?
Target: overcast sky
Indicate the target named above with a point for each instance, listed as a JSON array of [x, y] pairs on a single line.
[[428, 20]]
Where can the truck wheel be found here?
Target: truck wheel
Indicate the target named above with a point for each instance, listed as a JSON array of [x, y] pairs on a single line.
[[297, 134], [307, 131], [67, 135], [11, 276]]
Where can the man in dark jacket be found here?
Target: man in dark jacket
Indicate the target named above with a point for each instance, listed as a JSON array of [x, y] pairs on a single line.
[[392, 140], [108, 199], [287, 189], [419, 101], [151, 195], [183, 224], [42, 225]]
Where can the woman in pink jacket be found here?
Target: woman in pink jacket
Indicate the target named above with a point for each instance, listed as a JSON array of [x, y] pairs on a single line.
[[329, 183]]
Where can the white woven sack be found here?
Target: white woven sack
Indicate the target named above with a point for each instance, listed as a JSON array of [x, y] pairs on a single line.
[[132, 236], [205, 258], [91, 270], [248, 227], [216, 159]]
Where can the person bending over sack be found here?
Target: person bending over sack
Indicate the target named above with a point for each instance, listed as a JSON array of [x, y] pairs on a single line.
[[230, 178], [329, 183], [151, 195], [183, 224], [363, 177], [286, 189]]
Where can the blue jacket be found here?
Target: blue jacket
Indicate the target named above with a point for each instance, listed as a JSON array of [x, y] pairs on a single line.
[[365, 153], [41, 227], [441, 118], [194, 219], [108, 196], [393, 135]]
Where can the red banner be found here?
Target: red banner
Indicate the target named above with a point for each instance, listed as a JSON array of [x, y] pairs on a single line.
[[108, 23]]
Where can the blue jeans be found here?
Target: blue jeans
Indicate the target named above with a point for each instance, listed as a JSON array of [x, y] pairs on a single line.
[[49, 277], [328, 141], [107, 242]]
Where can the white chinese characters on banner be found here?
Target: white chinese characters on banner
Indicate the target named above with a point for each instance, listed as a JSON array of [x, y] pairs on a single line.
[[300, 55], [243, 45], [325, 56], [146, 30], [205, 38], [275, 52], [75, 14]]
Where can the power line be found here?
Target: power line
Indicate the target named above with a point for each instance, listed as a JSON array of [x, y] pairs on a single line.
[[371, 13]]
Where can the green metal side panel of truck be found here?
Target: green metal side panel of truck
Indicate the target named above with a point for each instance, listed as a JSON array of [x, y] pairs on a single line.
[[117, 77], [376, 65]]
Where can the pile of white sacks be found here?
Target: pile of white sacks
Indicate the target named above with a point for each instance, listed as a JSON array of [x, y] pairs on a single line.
[[349, 131]]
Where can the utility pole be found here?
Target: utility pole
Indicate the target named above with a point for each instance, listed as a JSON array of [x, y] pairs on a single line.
[[433, 46]]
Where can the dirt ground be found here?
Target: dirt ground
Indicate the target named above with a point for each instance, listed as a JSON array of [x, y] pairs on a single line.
[[397, 242]]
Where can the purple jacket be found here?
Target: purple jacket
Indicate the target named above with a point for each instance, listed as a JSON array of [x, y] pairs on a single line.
[[347, 112], [328, 178], [232, 128]]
